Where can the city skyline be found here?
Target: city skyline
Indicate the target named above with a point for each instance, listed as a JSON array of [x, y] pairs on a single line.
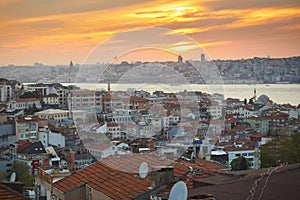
[[55, 32]]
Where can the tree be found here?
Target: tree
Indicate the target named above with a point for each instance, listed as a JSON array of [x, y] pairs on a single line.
[[31, 110], [267, 160], [3, 175], [34, 94], [240, 163], [280, 151], [290, 149], [23, 173]]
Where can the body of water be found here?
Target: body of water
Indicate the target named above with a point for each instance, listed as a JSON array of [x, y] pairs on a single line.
[[278, 93]]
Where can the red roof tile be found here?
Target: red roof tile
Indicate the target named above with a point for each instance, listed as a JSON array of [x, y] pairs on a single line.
[[117, 177], [26, 99], [23, 146], [8, 193]]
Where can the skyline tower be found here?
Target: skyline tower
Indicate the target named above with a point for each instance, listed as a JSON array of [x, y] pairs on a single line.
[[203, 57]]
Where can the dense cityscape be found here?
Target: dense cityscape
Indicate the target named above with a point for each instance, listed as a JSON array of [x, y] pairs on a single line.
[[57, 141], [149, 100], [245, 71]]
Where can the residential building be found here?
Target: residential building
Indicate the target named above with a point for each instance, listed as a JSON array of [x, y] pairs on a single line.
[[112, 102], [7, 134], [85, 99], [84, 183], [215, 111], [32, 154], [138, 103], [51, 100], [9, 90], [114, 131], [24, 103], [48, 137], [251, 154], [27, 129], [7, 192], [56, 115]]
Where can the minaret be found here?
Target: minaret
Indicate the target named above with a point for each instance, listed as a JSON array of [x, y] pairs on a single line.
[[179, 59], [70, 71], [108, 87], [254, 94]]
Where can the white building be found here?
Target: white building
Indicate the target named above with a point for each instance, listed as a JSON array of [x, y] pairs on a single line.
[[243, 112], [84, 99], [114, 130], [51, 99], [248, 153], [24, 103], [27, 129], [54, 114], [50, 138], [9, 89], [101, 151], [122, 116], [215, 111]]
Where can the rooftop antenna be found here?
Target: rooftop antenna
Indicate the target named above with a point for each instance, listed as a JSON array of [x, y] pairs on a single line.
[[13, 177], [143, 170], [179, 191]]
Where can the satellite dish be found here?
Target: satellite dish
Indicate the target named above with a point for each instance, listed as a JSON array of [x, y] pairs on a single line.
[[179, 191], [143, 171], [13, 177]]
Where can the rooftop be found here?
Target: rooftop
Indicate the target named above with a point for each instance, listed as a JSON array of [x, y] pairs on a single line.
[[8, 193], [271, 183], [118, 177]]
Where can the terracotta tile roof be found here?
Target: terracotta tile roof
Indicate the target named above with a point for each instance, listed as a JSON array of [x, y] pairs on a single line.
[[83, 92], [107, 180], [26, 100], [118, 177], [32, 148], [23, 146], [109, 97], [257, 135], [135, 98], [112, 124], [8, 193], [2, 105]]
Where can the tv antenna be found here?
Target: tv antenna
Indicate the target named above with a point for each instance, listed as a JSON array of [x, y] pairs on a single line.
[[179, 191]]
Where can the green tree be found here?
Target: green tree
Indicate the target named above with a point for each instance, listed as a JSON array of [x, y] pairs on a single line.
[[290, 149], [34, 94], [3, 175], [23, 173], [31, 110], [240, 163], [267, 160]]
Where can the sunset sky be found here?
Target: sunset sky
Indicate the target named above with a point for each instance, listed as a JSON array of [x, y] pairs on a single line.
[[57, 31]]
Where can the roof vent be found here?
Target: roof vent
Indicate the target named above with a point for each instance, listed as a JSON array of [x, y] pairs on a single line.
[[161, 175]]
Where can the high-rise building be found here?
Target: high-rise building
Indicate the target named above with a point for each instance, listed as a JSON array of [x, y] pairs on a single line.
[[179, 59], [203, 57]]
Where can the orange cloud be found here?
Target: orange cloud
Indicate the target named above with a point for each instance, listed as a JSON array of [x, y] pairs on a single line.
[[86, 24]]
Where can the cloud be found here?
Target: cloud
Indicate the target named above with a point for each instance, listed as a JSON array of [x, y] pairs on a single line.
[[65, 25], [14, 47], [216, 5]]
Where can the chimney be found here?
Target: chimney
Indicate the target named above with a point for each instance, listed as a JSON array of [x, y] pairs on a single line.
[[161, 175]]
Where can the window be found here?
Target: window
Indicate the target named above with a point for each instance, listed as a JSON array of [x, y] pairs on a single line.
[[238, 155]]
